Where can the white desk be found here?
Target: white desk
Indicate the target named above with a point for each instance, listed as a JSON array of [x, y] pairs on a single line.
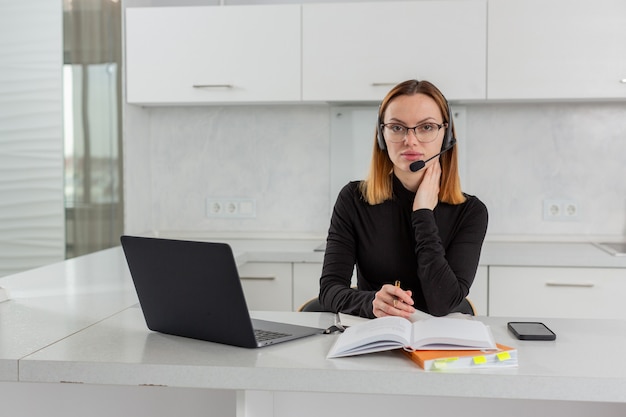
[[121, 351], [73, 332], [52, 302]]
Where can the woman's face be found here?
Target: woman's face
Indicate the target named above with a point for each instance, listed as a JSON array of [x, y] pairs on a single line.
[[410, 111]]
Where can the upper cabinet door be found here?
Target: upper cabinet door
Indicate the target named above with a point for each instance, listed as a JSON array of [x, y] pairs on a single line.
[[190, 55], [557, 49], [358, 51]]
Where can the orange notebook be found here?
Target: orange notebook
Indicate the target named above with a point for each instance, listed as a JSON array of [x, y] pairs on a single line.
[[441, 360]]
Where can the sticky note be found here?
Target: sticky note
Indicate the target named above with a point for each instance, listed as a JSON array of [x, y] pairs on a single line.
[[503, 356], [479, 360]]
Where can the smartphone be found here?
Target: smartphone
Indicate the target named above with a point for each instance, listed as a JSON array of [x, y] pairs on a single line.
[[531, 330]]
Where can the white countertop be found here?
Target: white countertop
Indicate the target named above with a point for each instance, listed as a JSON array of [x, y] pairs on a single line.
[[494, 253], [122, 351], [49, 303], [77, 321], [557, 254]]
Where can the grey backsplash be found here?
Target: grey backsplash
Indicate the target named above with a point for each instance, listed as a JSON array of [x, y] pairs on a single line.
[[517, 156]]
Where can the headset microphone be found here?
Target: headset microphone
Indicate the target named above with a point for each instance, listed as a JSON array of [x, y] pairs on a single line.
[[417, 165]]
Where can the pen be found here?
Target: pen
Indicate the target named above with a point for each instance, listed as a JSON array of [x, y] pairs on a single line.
[[395, 300]]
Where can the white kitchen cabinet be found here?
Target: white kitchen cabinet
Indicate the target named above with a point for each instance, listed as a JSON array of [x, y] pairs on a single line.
[[214, 54], [358, 51], [478, 294], [267, 286], [545, 292], [306, 282], [556, 49], [306, 285]]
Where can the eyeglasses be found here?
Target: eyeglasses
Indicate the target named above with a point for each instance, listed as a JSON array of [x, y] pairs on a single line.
[[426, 132]]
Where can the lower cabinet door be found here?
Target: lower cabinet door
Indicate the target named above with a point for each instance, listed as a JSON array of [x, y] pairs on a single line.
[[478, 294], [557, 292], [267, 286], [306, 282]]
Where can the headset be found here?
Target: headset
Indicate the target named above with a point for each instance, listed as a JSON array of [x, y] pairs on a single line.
[[448, 140]]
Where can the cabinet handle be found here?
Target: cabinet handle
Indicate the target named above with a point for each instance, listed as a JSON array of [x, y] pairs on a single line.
[[570, 284], [212, 86], [623, 81], [259, 277], [383, 84]]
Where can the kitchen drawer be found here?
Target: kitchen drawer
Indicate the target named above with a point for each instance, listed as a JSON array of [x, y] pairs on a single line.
[[557, 292], [267, 286]]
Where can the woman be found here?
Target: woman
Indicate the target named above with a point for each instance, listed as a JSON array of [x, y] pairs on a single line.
[[417, 228]]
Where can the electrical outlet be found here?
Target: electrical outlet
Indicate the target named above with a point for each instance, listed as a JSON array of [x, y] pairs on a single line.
[[560, 210], [570, 210], [214, 208], [233, 208]]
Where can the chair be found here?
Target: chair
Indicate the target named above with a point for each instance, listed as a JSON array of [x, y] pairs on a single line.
[[466, 307], [313, 305]]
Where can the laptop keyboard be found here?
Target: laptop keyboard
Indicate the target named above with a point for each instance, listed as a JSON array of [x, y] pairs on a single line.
[[263, 335]]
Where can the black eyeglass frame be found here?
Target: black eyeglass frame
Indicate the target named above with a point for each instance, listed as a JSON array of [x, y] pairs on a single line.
[[439, 126]]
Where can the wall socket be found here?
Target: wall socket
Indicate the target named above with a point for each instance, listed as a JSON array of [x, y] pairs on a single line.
[[230, 208], [560, 210]]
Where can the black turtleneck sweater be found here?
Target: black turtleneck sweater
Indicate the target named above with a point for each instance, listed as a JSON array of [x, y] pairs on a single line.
[[433, 253]]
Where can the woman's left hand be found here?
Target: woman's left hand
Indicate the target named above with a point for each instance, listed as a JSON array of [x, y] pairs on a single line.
[[427, 194], [391, 300]]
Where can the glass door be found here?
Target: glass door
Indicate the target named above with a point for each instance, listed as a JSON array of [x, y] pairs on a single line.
[[92, 125]]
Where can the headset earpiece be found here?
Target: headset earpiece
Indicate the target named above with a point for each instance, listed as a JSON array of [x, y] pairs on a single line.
[[379, 129], [449, 140]]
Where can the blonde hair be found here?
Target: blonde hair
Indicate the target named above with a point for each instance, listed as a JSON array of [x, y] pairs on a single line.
[[378, 186]]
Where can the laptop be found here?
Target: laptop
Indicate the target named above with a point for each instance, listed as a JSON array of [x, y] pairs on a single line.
[[192, 289]]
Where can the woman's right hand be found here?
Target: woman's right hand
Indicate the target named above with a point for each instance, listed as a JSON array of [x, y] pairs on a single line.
[[393, 301]]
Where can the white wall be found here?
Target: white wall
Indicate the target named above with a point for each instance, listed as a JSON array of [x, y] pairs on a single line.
[[517, 156], [520, 154], [275, 155], [32, 218]]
